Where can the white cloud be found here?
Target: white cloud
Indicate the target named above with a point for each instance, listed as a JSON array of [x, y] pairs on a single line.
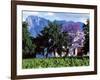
[[31, 13], [84, 20], [50, 13], [26, 14]]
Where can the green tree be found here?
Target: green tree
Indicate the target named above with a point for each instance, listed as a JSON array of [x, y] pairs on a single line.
[[54, 38], [28, 47], [86, 42]]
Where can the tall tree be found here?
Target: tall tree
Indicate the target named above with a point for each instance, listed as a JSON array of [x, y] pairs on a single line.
[[54, 37], [27, 46], [86, 42]]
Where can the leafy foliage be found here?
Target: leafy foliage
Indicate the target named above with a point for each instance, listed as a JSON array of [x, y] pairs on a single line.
[[86, 42], [53, 36], [55, 62], [28, 47]]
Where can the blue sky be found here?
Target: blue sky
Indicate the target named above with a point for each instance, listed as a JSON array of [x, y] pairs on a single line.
[[76, 17]]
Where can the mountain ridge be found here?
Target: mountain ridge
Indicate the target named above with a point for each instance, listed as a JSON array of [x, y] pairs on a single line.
[[36, 24]]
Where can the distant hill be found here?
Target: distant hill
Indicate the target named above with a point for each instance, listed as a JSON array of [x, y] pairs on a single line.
[[36, 24]]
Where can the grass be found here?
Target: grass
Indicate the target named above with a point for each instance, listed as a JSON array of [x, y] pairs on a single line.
[[55, 62]]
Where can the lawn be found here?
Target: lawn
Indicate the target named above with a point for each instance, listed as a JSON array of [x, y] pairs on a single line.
[[55, 62]]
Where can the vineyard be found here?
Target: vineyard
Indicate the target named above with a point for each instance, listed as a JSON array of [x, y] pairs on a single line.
[[55, 62]]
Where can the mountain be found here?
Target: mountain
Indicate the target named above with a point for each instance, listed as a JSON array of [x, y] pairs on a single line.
[[71, 26], [36, 24]]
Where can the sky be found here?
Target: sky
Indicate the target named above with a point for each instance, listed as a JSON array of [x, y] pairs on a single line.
[[76, 17]]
